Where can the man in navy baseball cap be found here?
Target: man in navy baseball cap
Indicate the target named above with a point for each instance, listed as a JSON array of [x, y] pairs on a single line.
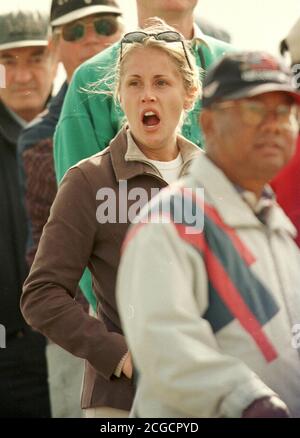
[[83, 28]]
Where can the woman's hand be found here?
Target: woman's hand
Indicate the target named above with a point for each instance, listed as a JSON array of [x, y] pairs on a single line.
[[127, 367]]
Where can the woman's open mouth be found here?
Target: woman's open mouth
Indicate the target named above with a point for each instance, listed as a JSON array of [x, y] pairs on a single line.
[[150, 119]]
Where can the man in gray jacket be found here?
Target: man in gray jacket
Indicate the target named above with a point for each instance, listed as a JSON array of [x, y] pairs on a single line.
[[211, 308]]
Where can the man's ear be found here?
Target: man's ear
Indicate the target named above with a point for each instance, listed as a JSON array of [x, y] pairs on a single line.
[[206, 121], [50, 44], [54, 47]]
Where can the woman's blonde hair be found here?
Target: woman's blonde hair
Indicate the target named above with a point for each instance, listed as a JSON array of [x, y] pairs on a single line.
[[190, 73]]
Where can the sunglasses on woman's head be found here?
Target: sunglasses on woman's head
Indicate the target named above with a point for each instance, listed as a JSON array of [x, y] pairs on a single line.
[[167, 36], [103, 26]]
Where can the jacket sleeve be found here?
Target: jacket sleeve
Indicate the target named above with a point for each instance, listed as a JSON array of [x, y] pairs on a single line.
[[41, 187], [174, 348], [64, 251]]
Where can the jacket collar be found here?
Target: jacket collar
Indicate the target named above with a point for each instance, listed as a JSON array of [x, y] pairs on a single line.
[[128, 161], [187, 149], [200, 36], [232, 208]]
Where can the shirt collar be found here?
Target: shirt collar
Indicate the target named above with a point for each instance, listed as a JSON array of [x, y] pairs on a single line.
[[266, 199], [199, 36], [17, 118]]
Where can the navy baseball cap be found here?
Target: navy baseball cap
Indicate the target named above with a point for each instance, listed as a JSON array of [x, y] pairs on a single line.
[[245, 74], [66, 11]]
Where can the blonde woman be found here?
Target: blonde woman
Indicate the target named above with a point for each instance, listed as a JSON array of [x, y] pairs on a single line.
[[156, 82]]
